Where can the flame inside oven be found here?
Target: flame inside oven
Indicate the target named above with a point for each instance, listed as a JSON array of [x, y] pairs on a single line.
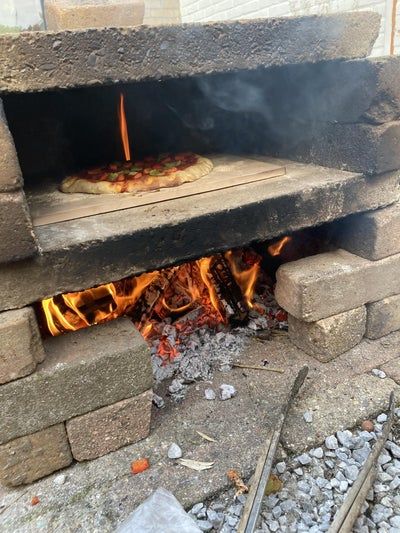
[[217, 287]]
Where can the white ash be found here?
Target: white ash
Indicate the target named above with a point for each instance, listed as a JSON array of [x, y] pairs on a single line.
[[200, 354], [158, 401], [308, 417], [312, 494]]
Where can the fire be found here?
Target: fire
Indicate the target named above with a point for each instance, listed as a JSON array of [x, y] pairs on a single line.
[[174, 291], [246, 279], [123, 128], [276, 248]]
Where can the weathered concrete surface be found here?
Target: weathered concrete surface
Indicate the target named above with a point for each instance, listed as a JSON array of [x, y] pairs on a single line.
[[311, 95], [82, 253], [46, 60], [21, 347], [383, 317], [109, 428], [10, 172], [336, 408], [17, 240], [101, 493], [29, 458], [83, 371], [334, 282], [367, 148], [392, 369], [373, 235], [329, 337]]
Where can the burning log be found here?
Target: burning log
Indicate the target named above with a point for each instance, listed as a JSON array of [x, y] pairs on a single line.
[[228, 291]]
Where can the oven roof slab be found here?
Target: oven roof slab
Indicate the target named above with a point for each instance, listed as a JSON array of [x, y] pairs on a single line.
[[38, 61], [79, 254]]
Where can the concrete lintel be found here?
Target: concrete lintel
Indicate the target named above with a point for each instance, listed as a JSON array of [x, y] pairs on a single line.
[[83, 253], [47, 60]]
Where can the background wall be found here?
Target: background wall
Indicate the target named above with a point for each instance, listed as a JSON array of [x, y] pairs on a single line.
[[206, 10]]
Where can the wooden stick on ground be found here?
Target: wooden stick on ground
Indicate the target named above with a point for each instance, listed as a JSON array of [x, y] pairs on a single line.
[[254, 367], [350, 509], [252, 507]]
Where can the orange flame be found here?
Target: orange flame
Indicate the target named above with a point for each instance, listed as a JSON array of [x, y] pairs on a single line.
[[246, 279], [176, 290], [276, 248], [123, 128], [79, 306]]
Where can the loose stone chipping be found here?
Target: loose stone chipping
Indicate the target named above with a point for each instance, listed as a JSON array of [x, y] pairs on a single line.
[[329, 337], [32, 457], [21, 347], [312, 494]]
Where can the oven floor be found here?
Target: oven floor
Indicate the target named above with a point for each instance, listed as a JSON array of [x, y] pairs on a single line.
[[54, 206], [96, 495]]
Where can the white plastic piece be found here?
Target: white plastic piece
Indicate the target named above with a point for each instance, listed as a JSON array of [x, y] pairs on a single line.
[[160, 513]]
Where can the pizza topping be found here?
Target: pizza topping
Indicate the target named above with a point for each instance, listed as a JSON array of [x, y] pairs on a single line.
[[163, 165]]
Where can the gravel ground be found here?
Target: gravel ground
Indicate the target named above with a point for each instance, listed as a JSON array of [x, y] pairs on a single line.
[[315, 485]]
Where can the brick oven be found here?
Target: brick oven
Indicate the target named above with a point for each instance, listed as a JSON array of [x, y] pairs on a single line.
[[295, 95]]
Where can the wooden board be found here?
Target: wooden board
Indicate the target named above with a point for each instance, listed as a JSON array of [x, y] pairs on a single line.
[[229, 171]]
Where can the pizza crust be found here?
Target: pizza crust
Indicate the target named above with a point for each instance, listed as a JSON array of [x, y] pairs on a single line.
[[75, 184]]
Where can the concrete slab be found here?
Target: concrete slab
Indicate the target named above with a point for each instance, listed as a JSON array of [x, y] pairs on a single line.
[[82, 253], [101, 493], [98, 56]]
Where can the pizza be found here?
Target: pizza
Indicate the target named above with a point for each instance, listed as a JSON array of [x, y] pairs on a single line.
[[137, 176]]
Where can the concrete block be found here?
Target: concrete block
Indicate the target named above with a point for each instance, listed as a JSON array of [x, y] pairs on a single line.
[[383, 317], [373, 235], [17, 240], [367, 148], [83, 371], [330, 283], [32, 457], [111, 55], [364, 90], [329, 337], [21, 347], [10, 172], [109, 428], [115, 245]]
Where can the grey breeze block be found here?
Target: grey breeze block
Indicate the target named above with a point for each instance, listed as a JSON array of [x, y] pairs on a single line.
[[83, 371], [334, 282]]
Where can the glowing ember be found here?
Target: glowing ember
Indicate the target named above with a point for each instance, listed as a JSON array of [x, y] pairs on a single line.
[[123, 128], [276, 248]]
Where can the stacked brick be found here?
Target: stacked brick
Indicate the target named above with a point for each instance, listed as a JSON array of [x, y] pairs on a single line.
[[17, 240], [78, 397], [335, 298]]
